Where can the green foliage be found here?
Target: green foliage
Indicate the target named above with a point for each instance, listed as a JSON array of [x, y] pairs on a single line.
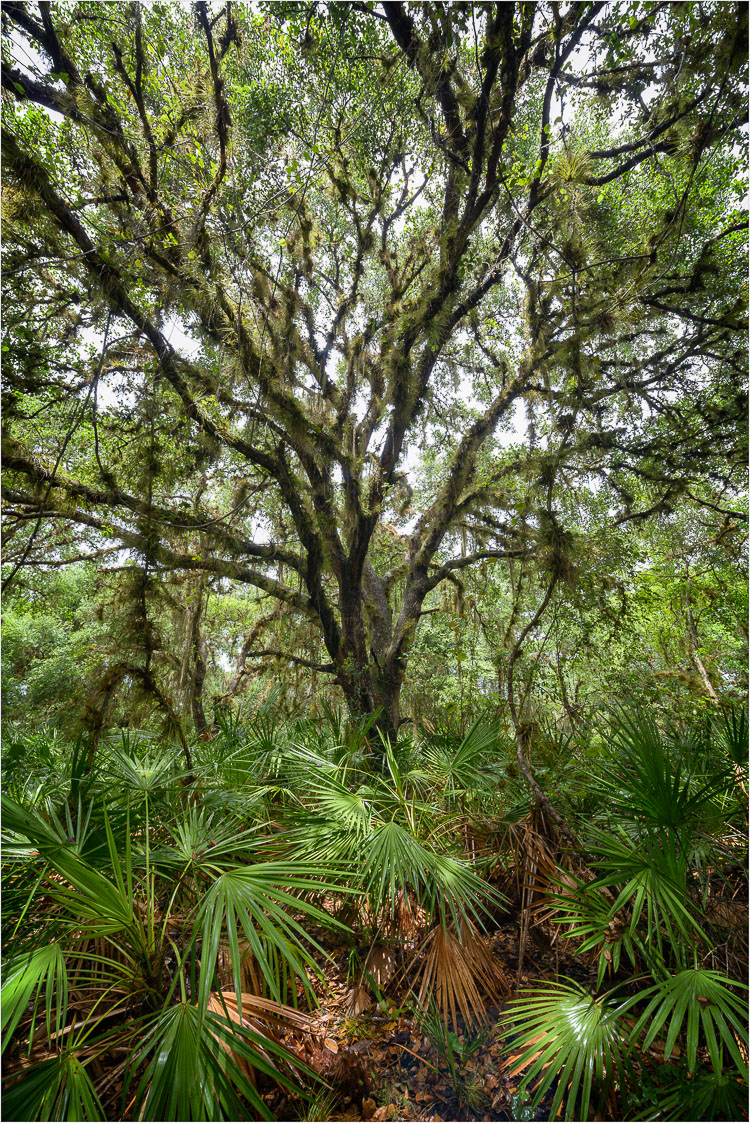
[[393, 358], [569, 1036], [660, 841], [148, 906], [707, 1007]]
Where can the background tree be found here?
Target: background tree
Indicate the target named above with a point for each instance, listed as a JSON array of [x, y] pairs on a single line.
[[296, 244]]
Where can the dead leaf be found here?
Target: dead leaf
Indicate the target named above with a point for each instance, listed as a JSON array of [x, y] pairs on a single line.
[[369, 1107]]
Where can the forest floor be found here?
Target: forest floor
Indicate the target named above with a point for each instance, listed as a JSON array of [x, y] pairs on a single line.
[[380, 1065]]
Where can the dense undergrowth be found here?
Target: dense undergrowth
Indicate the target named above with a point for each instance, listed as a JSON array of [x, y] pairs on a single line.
[[161, 930]]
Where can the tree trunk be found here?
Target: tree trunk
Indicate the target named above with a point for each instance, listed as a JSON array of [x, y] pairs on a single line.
[[693, 647], [370, 673], [196, 693], [197, 653]]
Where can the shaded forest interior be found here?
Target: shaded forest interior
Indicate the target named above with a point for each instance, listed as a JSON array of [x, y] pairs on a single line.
[[374, 437]]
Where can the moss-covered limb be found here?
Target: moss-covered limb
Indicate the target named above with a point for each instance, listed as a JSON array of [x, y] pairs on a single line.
[[206, 297], [436, 74], [112, 287], [77, 104], [316, 556], [195, 653], [445, 570], [103, 694], [136, 89], [280, 304], [562, 54], [434, 523], [223, 117], [25, 88], [431, 324], [498, 45], [274, 653], [419, 582], [164, 555], [268, 364], [84, 101], [233, 542]]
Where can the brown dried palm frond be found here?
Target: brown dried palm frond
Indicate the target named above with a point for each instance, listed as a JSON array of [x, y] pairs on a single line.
[[532, 847], [408, 918], [251, 978], [358, 1000], [266, 1012], [547, 886], [264, 1016], [380, 965], [458, 970]]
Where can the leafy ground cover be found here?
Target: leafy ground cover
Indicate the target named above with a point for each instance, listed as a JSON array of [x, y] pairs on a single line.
[[315, 923]]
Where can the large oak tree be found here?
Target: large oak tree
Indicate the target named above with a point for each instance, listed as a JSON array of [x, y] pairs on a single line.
[[267, 266]]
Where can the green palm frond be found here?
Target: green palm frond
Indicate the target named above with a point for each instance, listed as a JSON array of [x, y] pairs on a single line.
[[335, 802], [396, 862], [560, 1031], [589, 917], [198, 1066], [207, 843], [250, 901], [142, 771], [104, 904], [57, 1088], [706, 1003], [651, 785], [732, 728], [651, 883], [24, 978], [465, 767], [706, 1096]]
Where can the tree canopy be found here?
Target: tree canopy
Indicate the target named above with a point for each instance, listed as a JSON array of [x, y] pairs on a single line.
[[340, 302], [375, 575]]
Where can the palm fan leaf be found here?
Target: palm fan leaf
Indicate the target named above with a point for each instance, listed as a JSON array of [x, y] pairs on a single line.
[[249, 902], [706, 1003], [458, 970], [56, 1088], [198, 1065], [562, 1031], [23, 978]]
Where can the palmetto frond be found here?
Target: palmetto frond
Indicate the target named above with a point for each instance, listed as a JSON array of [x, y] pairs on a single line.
[[198, 1065], [560, 1030], [250, 901], [708, 1005], [708, 1095], [139, 766], [732, 727], [24, 979], [650, 882], [650, 785], [459, 973], [56, 1088], [395, 862], [465, 767], [105, 904]]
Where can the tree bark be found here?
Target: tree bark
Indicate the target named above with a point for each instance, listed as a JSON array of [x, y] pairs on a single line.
[[693, 646], [521, 731]]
